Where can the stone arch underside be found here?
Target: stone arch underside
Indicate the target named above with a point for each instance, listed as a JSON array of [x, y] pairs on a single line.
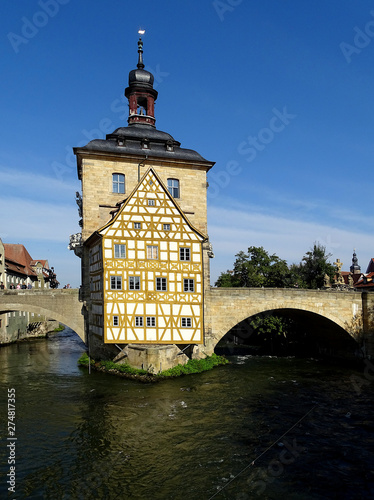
[[224, 321], [52, 314]]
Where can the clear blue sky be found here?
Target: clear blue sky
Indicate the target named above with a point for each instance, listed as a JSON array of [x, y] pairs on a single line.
[[279, 94]]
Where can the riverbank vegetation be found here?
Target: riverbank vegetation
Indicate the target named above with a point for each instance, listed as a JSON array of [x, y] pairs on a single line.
[[60, 328], [125, 370], [257, 268]]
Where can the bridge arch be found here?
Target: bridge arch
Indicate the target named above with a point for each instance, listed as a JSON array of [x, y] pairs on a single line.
[[230, 307], [60, 305], [308, 334]]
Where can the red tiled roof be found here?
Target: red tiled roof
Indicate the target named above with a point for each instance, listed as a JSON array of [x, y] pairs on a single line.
[[18, 259], [365, 277], [345, 275]]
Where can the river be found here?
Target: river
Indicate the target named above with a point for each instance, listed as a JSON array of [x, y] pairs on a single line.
[[261, 427]]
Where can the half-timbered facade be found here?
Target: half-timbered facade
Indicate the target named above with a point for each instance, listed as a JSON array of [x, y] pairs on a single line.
[[149, 288]]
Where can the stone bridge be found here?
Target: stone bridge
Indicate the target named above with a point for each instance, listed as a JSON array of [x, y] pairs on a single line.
[[352, 311], [349, 310], [62, 305]]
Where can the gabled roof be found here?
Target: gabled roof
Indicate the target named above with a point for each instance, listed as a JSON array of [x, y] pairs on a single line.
[[147, 177], [18, 259]]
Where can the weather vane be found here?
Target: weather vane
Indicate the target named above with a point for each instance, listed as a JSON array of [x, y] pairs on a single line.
[[141, 31]]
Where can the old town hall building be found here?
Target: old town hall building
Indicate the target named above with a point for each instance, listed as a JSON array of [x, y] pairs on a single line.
[[144, 246]]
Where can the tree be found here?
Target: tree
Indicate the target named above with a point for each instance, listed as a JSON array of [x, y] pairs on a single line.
[[225, 279], [315, 265], [256, 268], [274, 331]]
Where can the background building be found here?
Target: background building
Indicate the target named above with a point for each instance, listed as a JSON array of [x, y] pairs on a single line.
[[19, 269]]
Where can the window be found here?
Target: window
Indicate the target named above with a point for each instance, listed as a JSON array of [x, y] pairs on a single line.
[[161, 284], [184, 254], [119, 251], [116, 282], [188, 285], [137, 225], [186, 322], [118, 182], [152, 252], [134, 282], [173, 187], [138, 320], [151, 321], [166, 227], [115, 321], [151, 203]]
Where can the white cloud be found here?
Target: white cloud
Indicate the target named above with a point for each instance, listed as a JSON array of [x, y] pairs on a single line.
[[27, 184], [36, 220]]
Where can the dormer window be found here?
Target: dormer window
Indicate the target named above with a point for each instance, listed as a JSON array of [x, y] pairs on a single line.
[[145, 144], [169, 146], [121, 141]]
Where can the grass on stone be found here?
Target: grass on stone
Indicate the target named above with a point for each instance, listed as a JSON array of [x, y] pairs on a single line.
[[192, 366]]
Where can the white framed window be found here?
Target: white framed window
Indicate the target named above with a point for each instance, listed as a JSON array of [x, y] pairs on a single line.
[[137, 225], [138, 320], [118, 183], [115, 321], [161, 284], [184, 253], [173, 187], [152, 252], [151, 203], [151, 321], [188, 285], [186, 322], [134, 282], [166, 227], [116, 282], [119, 251]]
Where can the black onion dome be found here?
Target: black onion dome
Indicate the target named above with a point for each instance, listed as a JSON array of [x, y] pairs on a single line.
[[141, 77]]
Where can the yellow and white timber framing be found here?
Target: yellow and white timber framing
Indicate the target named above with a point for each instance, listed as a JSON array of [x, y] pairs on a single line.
[[146, 271]]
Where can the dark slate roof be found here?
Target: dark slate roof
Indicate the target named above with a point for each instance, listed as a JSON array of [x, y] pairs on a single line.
[[160, 144]]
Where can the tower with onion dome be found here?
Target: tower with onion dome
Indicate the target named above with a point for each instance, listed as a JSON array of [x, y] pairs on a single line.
[[144, 245]]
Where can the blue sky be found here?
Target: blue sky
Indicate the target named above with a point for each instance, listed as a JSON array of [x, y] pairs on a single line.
[[278, 94]]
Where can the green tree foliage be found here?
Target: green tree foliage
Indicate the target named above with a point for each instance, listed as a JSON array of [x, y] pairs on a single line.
[[225, 279], [274, 332], [256, 268], [315, 265]]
